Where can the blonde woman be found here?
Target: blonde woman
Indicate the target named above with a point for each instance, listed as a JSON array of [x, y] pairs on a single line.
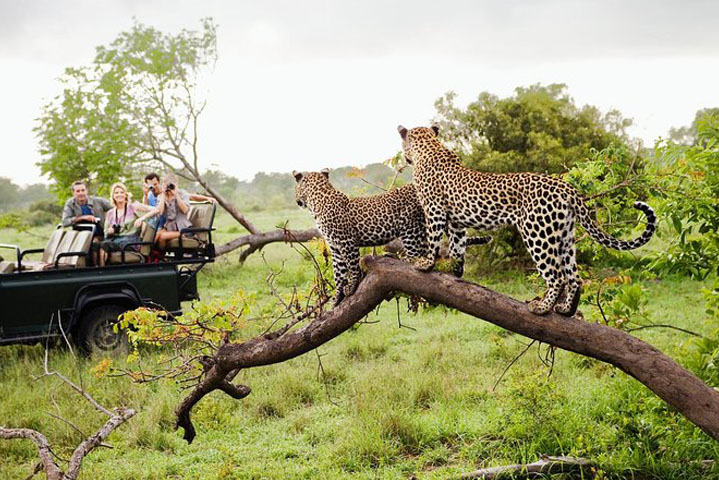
[[122, 222]]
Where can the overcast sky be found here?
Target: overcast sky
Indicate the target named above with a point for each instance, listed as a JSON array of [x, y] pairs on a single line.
[[310, 84]]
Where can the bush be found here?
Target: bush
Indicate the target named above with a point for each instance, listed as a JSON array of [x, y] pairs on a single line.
[[688, 187]]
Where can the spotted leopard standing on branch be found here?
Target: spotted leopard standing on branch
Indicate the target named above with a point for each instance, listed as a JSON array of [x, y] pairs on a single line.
[[543, 208], [349, 223]]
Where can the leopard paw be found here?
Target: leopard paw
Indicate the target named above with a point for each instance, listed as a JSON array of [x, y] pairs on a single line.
[[538, 307], [423, 263], [350, 288]]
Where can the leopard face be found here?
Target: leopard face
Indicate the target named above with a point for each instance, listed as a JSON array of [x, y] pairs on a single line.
[[307, 184]]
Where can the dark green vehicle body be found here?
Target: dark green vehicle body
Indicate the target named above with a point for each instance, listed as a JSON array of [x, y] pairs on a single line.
[[34, 301], [83, 302]]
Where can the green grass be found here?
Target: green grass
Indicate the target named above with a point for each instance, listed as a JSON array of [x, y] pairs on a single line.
[[395, 402]]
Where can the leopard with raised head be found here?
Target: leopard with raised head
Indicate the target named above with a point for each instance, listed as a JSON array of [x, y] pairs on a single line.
[[350, 223], [543, 208]]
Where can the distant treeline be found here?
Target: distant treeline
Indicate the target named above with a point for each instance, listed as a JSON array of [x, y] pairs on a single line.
[[277, 190], [265, 191], [15, 197]]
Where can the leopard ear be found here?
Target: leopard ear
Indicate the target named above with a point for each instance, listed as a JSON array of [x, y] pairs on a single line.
[[435, 129], [325, 172], [297, 175], [402, 131]]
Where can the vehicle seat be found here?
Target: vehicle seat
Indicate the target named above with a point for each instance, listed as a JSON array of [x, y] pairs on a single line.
[[147, 237], [202, 215], [81, 243], [48, 254]]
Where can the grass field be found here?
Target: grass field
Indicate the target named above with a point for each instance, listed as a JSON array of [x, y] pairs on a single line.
[[395, 402]]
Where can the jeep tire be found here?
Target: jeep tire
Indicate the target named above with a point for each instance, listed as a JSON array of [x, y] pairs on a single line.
[[96, 333]]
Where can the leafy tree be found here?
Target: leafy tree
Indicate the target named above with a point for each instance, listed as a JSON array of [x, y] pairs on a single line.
[[538, 129], [687, 135], [688, 185], [13, 196]]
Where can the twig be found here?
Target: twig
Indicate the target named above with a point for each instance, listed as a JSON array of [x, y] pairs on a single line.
[[655, 325], [506, 369], [399, 319], [321, 374]]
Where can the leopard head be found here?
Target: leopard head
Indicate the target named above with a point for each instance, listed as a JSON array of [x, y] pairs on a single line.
[[416, 141], [308, 183]]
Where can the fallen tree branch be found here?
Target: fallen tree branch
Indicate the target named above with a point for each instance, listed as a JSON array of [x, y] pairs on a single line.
[[117, 417], [678, 387], [544, 466], [256, 241]]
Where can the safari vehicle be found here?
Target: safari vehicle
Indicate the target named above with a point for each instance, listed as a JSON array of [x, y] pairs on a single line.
[[61, 295]]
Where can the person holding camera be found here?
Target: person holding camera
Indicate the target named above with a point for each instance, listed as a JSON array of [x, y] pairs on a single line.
[[122, 222], [174, 204]]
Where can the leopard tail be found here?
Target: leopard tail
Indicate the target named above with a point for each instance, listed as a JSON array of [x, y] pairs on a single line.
[[479, 240], [585, 220]]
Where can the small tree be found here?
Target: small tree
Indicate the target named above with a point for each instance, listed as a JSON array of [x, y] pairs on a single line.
[[137, 107]]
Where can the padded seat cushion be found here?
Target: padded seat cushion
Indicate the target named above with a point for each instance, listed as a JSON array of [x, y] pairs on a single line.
[[187, 242], [130, 257], [7, 266], [81, 243]]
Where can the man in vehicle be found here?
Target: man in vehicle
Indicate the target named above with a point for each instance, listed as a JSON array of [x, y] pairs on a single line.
[[84, 209]]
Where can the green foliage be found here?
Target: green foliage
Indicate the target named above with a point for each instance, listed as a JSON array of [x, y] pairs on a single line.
[[392, 402], [611, 180], [538, 129], [688, 135], [127, 109], [620, 302], [703, 353], [688, 185], [11, 220]]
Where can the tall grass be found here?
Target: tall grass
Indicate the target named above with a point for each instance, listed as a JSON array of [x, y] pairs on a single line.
[[393, 402]]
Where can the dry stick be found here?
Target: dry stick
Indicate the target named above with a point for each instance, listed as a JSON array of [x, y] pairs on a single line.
[[540, 469], [506, 369], [656, 325], [678, 387], [321, 373], [52, 470]]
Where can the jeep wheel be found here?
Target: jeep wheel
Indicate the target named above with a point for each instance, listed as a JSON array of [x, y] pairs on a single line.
[[96, 333]]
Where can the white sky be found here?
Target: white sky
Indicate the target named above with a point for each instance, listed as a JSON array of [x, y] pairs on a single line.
[[311, 84]]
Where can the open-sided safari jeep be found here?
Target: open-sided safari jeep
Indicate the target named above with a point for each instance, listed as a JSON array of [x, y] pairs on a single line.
[[61, 292]]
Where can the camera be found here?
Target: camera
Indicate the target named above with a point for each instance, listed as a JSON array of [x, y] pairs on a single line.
[[116, 229], [170, 186]]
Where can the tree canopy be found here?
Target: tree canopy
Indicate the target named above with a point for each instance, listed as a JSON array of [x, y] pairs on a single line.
[[135, 106], [538, 129]]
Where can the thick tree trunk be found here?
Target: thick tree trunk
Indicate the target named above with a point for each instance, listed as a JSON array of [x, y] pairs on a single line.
[[675, 385]]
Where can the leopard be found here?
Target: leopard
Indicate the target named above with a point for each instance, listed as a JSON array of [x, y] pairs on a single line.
[[543, 208], [350, 223]]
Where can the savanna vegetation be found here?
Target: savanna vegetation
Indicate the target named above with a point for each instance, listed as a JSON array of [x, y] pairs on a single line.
[[415, 390]]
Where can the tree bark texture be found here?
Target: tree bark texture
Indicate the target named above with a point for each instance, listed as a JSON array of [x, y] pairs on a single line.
[[256, 241], [678, 387]]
